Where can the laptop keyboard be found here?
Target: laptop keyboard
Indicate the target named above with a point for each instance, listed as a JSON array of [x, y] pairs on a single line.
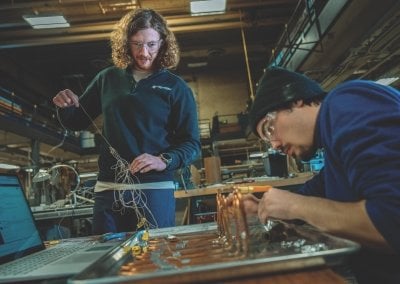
[[37, 260]]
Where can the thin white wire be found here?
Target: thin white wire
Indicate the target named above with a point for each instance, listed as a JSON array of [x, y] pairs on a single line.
[[58, 145], [122, 175]]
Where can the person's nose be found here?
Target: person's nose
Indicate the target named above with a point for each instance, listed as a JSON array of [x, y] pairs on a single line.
[[276, 144], [144, 50]]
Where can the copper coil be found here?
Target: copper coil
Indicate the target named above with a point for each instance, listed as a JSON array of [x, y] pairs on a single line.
[[230, 243], [181, 257]]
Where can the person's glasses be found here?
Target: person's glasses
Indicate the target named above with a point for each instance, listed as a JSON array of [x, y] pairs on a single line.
[[151, 46], [266, 128]]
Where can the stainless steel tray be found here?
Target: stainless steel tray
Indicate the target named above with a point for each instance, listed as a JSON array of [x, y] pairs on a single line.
[[301, 247]]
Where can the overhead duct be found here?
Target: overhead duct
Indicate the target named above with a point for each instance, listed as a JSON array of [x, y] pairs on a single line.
[[296, 45]]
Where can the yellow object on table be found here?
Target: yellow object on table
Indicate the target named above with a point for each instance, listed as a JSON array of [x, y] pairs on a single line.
[[253, 188]]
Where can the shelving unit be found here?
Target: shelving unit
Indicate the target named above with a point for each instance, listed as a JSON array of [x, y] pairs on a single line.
[[205, 128], [237, 151]]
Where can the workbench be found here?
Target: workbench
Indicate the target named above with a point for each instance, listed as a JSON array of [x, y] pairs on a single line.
[[317, 274], [184, 254], [56, 213], [49, 215], [63, 222], [247, 185], [227, 187]]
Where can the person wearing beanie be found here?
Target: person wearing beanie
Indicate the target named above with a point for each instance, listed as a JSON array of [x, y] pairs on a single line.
[[356, 195]]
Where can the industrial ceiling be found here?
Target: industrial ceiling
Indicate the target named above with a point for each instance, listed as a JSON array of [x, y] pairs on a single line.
[[330, 40]]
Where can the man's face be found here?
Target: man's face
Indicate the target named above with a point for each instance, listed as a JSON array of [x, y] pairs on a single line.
[[144, 47], [291, 130]]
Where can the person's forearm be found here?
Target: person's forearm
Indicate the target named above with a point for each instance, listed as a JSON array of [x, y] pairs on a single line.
[[344, 219]]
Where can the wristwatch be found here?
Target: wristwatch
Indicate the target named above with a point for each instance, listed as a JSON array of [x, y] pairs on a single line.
[[166, 158]]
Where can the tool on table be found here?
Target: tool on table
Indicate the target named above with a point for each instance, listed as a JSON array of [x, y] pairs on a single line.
[[253, 188], [112, 236]]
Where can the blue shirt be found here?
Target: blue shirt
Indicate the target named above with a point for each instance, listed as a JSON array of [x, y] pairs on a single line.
[[359, 128]]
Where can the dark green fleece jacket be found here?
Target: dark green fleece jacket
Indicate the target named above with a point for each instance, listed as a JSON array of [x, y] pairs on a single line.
[[156, 115]]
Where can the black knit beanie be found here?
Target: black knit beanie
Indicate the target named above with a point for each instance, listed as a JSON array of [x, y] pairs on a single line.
[[278, 87]]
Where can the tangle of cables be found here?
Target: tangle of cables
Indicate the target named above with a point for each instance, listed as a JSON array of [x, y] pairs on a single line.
[[127, 194]]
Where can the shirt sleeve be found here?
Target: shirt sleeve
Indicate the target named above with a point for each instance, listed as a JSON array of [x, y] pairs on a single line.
[[185, 136], [314, 186], [366, 139]]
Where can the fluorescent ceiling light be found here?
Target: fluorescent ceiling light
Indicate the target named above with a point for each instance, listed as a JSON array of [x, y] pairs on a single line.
[[387, 81], [201, 7], [46, 21]]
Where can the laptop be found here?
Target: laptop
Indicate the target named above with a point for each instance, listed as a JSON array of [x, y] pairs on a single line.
[[23, 255]]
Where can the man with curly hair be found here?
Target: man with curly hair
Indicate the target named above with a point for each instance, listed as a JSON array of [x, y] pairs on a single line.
[[149, 122]]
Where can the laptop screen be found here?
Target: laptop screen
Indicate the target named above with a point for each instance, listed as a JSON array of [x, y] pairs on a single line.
[[18, 233]]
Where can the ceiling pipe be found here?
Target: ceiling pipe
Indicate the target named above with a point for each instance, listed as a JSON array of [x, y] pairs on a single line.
[[311, 37], [247, 63], [38, 4], [103, 33], [109, 25], [58, 3]]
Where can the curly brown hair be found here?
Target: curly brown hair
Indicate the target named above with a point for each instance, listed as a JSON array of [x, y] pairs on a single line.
[[131, 23]]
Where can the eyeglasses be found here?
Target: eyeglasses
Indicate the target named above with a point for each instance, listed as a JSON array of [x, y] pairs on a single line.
[[265, 127], [152, 46]]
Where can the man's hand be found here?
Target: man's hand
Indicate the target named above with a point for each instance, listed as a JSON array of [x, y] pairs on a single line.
[[66, 98], [344, 219], [277, 204], [146, 162]]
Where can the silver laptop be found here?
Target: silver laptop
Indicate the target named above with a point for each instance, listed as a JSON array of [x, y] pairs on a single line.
[[23, 255]]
